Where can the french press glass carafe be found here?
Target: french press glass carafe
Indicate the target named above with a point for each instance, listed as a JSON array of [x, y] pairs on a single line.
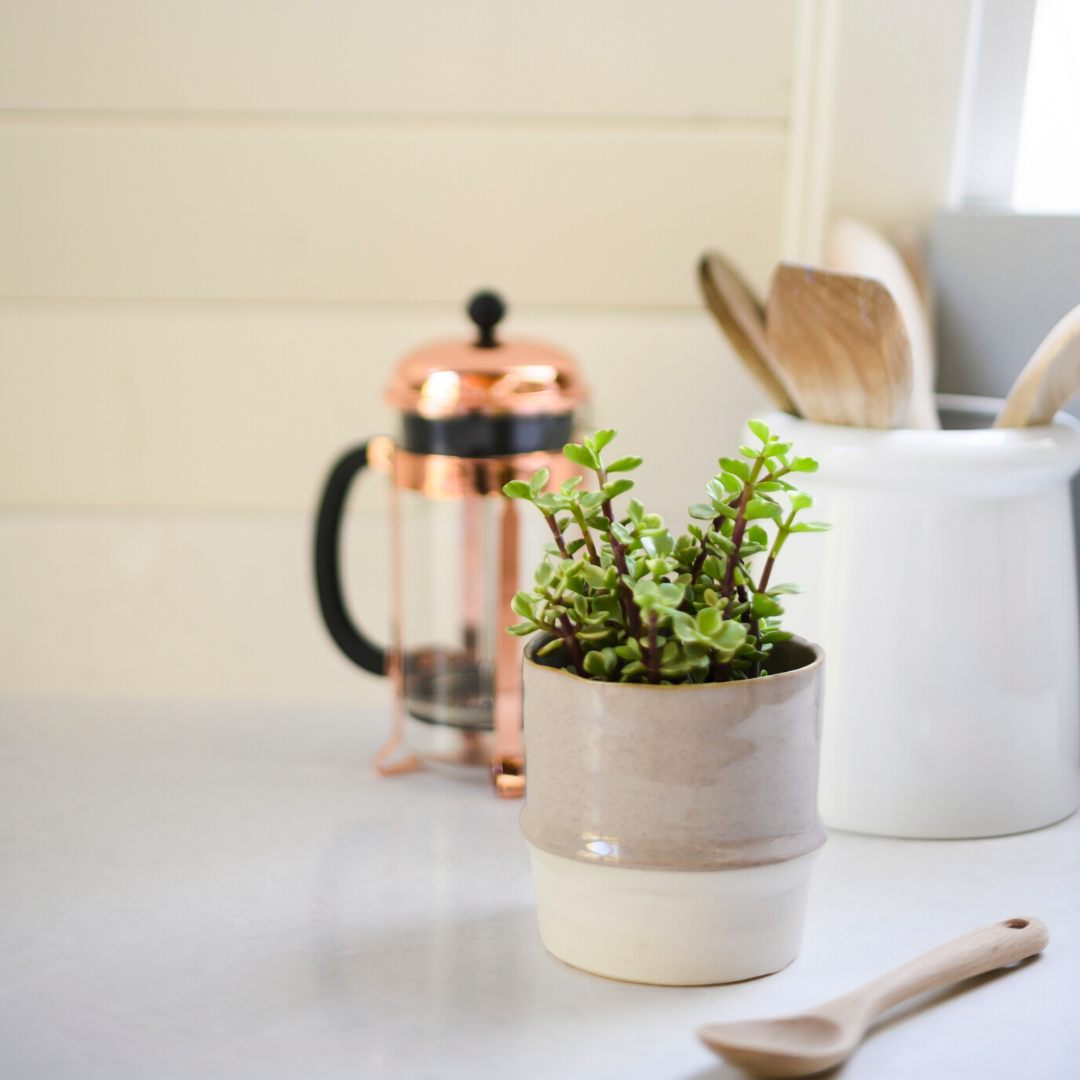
[[475, 414]]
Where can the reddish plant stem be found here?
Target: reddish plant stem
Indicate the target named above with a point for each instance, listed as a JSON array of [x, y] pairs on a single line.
[[699, 562], [553, 525], [737, 531], [579, 517], [755, 629], [618, 553], [573, 645], [654, 653]]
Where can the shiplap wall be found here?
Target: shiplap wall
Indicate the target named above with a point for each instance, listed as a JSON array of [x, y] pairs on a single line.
[[221, 224]]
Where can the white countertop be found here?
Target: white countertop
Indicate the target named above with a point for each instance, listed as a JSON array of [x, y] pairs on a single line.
[[207, 892]]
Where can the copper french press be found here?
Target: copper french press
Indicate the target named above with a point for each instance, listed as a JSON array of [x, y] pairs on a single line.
[[474, 415]]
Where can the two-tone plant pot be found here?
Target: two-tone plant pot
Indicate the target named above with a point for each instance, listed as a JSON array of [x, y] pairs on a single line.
[[673, 829]]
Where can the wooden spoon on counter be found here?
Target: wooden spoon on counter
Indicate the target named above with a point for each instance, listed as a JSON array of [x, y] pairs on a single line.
[[841, 342], [742, 320], [1049, 378], [822, 1037]]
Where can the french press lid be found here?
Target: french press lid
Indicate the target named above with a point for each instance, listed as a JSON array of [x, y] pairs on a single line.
[[486, 397]]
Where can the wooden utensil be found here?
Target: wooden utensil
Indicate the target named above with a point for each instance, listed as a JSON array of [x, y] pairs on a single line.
[[742, 320], [1049, 378], [822, 1037], [853, 247], [841, 342]]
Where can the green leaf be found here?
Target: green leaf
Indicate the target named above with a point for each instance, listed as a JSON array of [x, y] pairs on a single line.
[[594, 575], [544, 573], [702, 511], [721, 509], [591, 501], [760, 429], [631, 650], [734, 465], [617, 487], [580, 455], [758, 535], [521, 629], [646, 588], [749, 452], [777, 449], [784, 587], [803, 464], [811, 526], [660, 545], [636, 511], [600, 663], [636, 668], [523, 604], [759, 508], [624, 464], [517, 489], [800, 500], [709, 621], [732, 635], [552, 646], [716, 490], [550, 503], [622, 534], [775, 636], [712, 568], [731, 482], [671, 594], [602, 437], [539, 479], [567, 486], [764, 606]]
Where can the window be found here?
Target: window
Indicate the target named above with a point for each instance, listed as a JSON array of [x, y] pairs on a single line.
[[1047, 178]]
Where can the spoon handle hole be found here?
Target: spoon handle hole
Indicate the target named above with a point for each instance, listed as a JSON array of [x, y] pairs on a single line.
[[1016, 924]]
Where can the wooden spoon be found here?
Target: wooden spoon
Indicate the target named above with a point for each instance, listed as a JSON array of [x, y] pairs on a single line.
[[742, 320], [1049, 378], [822, 1037], [854, 248], [840, 339]]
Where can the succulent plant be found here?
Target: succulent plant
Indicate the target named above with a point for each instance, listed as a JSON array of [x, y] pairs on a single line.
[[626, 601]]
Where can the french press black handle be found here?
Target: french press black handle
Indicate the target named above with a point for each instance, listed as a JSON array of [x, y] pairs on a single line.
[[343, 630]]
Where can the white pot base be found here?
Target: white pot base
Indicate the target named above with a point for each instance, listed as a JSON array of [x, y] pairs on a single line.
[[671, 927]]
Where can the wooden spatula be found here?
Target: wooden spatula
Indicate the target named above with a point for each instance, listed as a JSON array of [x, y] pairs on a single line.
[[742, 320], [853, 247], [1049, 378], [841, 343]]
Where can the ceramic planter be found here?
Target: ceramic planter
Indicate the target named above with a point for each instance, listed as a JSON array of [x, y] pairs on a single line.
[[672, 829], [946, 599]]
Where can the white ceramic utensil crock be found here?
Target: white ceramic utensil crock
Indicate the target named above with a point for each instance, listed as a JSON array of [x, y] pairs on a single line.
[[672, 829], [945, 596]]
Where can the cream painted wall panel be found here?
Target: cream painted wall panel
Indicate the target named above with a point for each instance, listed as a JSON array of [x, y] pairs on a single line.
[[583, 216], [897, 85], [190, 406], [180, 606], [574, 57]]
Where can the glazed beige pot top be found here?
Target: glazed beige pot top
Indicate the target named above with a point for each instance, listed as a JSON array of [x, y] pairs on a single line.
[[707, 777]]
